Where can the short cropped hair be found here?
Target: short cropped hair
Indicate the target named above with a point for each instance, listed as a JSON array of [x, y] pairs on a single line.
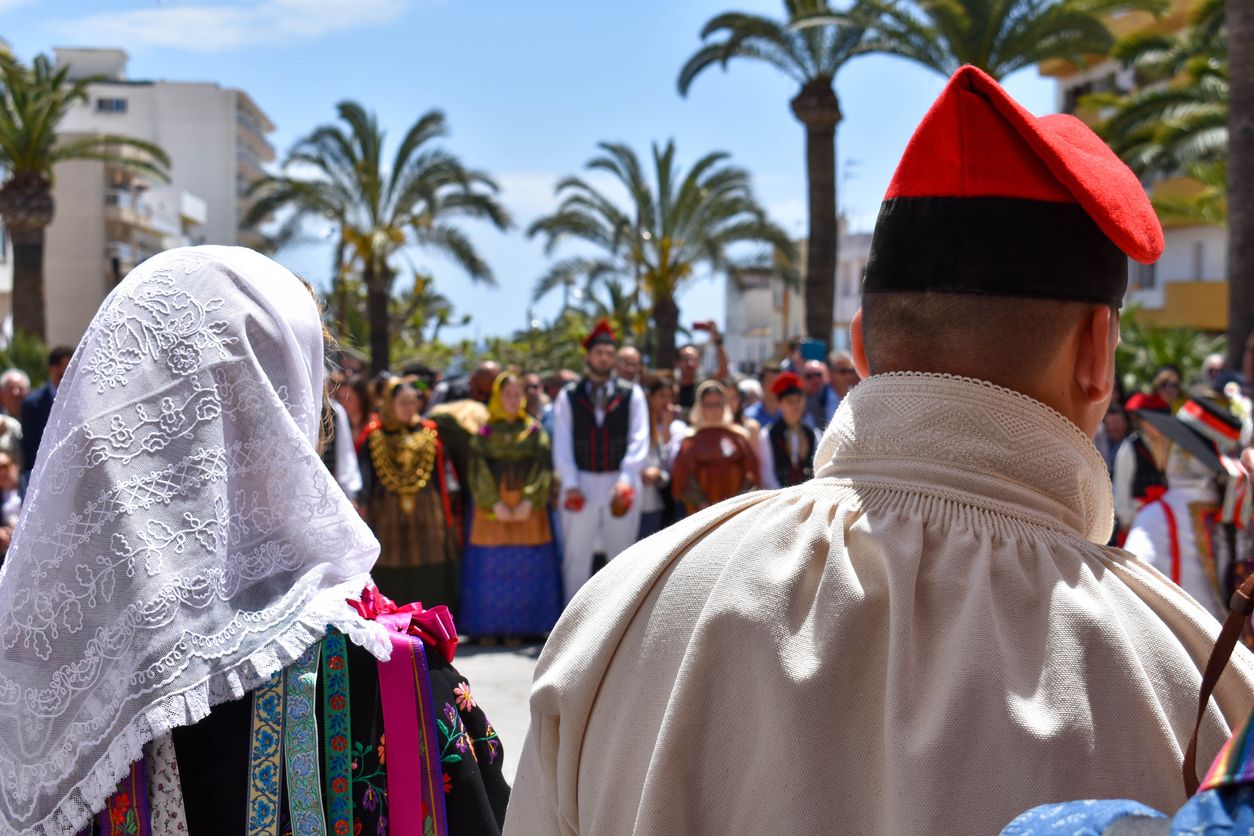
[[998, 337]]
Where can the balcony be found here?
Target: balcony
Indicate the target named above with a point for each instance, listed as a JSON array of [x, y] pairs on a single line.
[[127, 208]]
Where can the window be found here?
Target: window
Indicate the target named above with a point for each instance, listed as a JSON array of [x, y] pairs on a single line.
[[1144, 276], [111, 105], [1199, 260]]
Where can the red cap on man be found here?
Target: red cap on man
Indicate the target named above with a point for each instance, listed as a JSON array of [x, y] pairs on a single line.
[[786, 384], [603, 332], [990, 200]]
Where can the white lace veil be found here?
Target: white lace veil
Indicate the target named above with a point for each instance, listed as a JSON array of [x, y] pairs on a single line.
[[181, 540]]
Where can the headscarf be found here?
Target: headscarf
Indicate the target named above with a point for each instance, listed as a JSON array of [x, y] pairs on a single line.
[[496, 410], [182, 541], [697, 416], [387, 415]]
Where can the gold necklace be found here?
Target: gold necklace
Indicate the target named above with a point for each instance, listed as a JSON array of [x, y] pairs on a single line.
[[404, 462]]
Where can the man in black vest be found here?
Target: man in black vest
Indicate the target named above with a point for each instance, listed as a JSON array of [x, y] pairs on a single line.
[[600, 443], [786, 447]]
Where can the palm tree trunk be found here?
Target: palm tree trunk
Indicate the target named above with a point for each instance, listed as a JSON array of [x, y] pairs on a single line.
[[339, 285], [28, 285], [817, 108], [377, 293], [666, 322], [1240, 23]]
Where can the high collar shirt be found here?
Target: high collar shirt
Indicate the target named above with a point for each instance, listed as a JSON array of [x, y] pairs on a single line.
[[928, 637]]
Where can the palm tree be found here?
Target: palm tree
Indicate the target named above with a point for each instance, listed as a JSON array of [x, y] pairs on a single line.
[[380, 210], [32, 104], [669, 228], [1182, 119], [997, 36], [809, 45], [1240, 22]]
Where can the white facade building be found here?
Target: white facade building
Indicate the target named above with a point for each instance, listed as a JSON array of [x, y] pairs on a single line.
[[1188, 286], [763, 314], [109, 219]]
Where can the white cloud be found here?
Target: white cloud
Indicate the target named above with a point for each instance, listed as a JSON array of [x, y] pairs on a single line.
[[215, 28]]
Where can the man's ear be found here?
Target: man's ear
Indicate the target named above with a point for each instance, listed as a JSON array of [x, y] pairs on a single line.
[[1094, 372], [858, 349]]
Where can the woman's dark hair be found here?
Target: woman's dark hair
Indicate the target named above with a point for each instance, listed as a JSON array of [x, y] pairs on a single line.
[[659, 380], [361, 388]]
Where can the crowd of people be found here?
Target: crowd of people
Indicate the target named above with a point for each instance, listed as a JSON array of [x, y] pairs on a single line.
[[880, 595], [499, 492]]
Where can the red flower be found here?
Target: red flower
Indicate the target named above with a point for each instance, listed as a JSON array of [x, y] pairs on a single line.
[[448, 784], [357, 828], [339, 785], [337, 702], [341, 827], [118, 809], [335, 663], [339, 743]]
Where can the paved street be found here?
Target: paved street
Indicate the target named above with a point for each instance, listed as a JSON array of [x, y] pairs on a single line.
[[501, 679]]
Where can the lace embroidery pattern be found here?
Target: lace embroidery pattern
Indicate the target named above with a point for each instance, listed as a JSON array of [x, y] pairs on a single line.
[[160, 323], [182, 539], [976, 428]]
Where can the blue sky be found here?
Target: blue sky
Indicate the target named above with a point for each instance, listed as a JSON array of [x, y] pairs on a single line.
[[529, 88]]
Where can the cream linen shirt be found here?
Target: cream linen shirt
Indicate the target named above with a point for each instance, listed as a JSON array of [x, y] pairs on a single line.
[[928, 638]]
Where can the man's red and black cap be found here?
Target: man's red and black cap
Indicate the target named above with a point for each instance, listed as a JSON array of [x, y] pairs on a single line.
[[988, 199], [786, 384], [602, 334]]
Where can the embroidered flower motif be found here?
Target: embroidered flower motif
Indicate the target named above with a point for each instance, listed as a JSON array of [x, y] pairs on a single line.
[[339, 785], [370, 800], [382, 749], [465, 701], [340, 827], [337, 701], [336, 663], [118, 809], [448, 784], [183, 357], [339, 743]]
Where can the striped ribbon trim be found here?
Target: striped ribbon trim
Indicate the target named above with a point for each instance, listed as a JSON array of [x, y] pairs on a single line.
[[300, 745], [413, 756], [336, 733], [126, 811], [265, 758]]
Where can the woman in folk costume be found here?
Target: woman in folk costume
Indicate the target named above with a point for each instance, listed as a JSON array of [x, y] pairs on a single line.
[[511, 580], [786, 447], [407, 503], [715, 460], [1177, 528], [186, 574]]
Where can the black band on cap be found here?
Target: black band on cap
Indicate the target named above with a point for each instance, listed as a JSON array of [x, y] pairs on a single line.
[[997, 246]]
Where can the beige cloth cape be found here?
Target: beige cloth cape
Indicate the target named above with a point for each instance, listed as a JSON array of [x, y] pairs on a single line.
[[929, 637]]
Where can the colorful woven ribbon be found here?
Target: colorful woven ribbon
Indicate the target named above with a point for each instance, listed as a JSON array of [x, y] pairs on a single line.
[[409, 723], [265, 781], [300, 745], [336, 733]]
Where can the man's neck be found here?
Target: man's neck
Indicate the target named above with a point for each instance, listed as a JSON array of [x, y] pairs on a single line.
[[593, 377]]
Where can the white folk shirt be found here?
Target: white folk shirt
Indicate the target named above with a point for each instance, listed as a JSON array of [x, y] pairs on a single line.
[[929, 637], [564, 445]]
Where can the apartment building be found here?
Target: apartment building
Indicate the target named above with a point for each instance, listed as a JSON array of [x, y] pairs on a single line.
[[1188, 286], [108, 219]]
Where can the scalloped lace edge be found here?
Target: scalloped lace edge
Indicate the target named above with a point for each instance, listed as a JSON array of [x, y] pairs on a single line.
[[327, 608]]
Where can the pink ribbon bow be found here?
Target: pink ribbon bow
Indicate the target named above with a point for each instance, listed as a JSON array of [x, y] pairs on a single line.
[[434, 626]]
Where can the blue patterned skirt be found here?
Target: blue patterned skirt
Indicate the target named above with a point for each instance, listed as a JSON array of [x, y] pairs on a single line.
[[510, 590]]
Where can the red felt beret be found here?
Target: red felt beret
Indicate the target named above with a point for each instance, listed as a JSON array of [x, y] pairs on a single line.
[[603, 332], [786, 384], [1149, 403], [990, 199]]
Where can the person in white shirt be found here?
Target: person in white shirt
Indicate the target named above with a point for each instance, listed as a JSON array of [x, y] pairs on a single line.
[[600, 445]]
